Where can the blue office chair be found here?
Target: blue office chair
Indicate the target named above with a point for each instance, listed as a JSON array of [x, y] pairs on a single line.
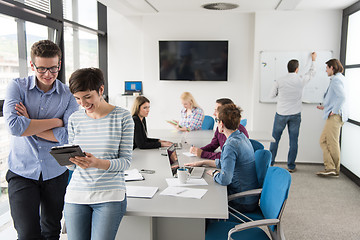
[[208, 123], [70, 175], [262, 163], [272, 204], [256, 145], [243, 122]]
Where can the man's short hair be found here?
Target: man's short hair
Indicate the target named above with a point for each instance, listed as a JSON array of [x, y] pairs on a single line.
[[86, 79], [223, 101], [230, 115], [45, 49], [292, 65], [336, 64]]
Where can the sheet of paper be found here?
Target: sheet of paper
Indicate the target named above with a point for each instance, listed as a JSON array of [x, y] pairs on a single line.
[[189, 154], [184, 192], [133, 175], [174, 182], [140, 191]]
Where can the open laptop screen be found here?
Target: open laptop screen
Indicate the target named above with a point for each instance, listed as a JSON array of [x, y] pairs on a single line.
[[133, 87], [173, 159]]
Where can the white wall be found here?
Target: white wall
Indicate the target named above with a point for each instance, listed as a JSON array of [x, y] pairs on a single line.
[[133, 55], [143, 64], [294, 31]]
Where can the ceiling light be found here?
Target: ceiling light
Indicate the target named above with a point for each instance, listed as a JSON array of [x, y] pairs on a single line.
[[219, 6]]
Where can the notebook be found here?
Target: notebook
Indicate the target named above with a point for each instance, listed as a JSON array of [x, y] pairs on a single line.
[[195, 172]]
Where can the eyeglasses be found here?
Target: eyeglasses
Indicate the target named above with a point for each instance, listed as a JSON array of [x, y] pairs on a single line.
[[217, 120], [44, 69]]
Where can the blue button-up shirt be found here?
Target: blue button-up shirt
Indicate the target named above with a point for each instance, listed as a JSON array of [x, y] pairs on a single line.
[[335, 98], [29, 156], [237, 164]]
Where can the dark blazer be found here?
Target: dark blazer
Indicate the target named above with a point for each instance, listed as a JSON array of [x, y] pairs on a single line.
[[140, 135]]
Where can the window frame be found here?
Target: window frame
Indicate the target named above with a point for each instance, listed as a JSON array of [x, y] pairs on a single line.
[[56, 21], [347, 12]]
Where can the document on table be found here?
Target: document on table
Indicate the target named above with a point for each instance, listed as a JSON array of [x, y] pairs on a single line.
[[189, 154], [184, 192], [174, 182], [140, 191], [133, 175]]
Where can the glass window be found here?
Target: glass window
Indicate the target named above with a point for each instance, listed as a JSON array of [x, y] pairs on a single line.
[[34, 33], [9, 69], [353, 40], [83, 12], [9, 62], [81, 50], [353, 97]]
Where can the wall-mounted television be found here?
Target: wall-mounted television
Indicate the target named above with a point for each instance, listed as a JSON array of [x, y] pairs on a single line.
[[193, 60]]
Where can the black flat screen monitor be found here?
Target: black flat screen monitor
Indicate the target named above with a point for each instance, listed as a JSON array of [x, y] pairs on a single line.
[[193, 60]]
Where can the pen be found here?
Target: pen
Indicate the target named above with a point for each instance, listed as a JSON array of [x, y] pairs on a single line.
[[182, 191]]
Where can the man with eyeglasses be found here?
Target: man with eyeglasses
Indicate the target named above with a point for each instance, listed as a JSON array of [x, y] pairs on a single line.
[[219, 139], [36, 110]]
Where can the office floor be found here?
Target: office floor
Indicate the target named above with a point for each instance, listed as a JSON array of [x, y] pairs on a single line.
[[317, 208], [321, 208]]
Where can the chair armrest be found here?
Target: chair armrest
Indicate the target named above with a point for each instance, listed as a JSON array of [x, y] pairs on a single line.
[[248, 193], [258, 223]]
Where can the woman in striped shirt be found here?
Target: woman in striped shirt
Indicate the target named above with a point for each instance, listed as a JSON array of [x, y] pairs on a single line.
[[95, 200]]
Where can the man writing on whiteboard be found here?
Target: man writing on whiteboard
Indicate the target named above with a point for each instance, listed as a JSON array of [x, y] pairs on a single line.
[[289, 91]]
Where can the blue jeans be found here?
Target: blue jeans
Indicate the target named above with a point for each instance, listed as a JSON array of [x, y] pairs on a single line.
[[293, 123], [93, 221]]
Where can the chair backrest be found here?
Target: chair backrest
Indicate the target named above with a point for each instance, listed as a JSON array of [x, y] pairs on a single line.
[[262, 163], [208, 123], [70, 175], [243, 122], [256, 145], [274, 192]]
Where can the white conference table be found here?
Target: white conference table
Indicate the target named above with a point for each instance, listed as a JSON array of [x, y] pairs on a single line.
[[168, 217], [204, 136]]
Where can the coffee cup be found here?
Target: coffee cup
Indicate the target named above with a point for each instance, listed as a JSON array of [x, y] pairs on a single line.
[[183, 175]]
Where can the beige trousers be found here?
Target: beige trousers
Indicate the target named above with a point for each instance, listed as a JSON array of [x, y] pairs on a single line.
[[329, 142]]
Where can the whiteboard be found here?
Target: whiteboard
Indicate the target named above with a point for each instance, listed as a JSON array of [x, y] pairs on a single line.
[[273, 65]]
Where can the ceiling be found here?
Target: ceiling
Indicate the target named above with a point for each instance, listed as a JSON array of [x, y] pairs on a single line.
[[146, 7]]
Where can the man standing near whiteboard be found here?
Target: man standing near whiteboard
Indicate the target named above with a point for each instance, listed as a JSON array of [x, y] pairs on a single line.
[[289, 91]]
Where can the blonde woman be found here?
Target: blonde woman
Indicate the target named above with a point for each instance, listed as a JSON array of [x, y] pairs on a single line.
[[139, 111], [192, 115]]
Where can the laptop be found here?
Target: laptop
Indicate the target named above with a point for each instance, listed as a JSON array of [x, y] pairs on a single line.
[[176, 145], [195, 172], [132, 87]]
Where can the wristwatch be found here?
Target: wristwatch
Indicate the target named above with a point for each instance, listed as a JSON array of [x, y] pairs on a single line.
[[213, 172]]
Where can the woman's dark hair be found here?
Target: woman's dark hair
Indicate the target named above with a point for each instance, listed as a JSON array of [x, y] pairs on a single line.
[[230, 115], [223, 101], [139, 101], [86, 79], [292, 65], [336, 64]]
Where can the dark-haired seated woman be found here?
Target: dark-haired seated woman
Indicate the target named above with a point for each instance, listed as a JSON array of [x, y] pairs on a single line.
[[139, 111], [237, 162]]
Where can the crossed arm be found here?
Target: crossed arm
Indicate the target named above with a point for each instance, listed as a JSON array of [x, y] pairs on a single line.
[[39, 127]]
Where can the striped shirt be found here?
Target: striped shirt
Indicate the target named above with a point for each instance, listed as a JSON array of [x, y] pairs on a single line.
[[192, 121], [110, 138]]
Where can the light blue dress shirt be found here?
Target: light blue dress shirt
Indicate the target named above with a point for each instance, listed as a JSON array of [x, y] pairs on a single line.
[[335, 98], [237, 164], [29, 156]]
